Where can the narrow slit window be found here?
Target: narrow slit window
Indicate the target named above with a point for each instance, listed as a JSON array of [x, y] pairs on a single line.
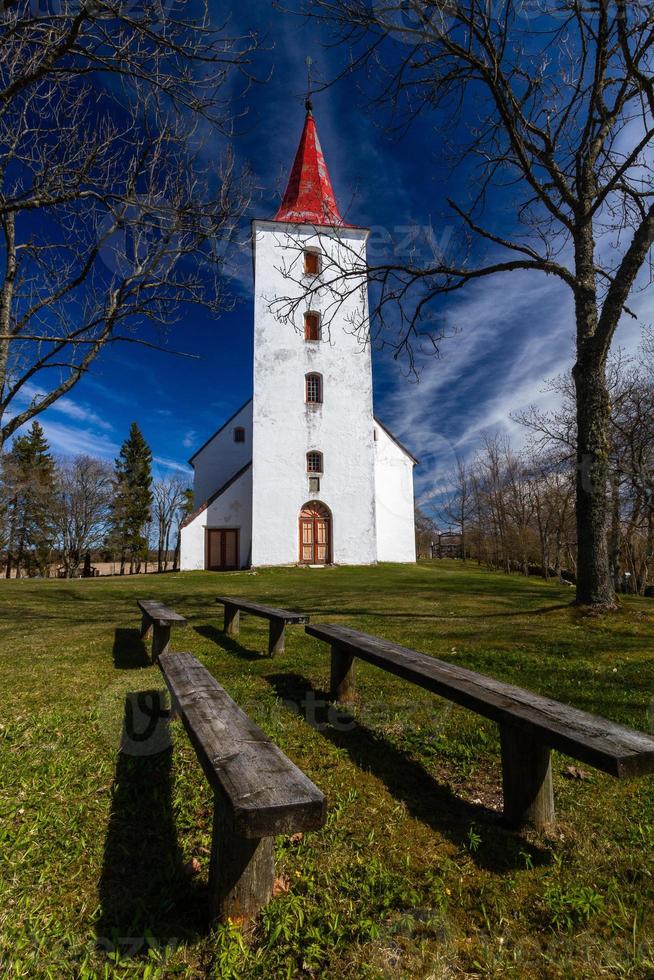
[[311, 326], [314, 462], [314, 389], [311, 263], [239, 434]]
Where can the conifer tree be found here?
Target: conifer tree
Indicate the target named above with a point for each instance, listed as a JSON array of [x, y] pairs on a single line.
[[131, 508], [28, 477]]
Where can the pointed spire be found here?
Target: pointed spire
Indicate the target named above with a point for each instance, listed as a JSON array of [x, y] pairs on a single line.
[[309, 198]]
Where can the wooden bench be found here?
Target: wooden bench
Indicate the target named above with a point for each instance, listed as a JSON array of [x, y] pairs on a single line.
[[160, 619], [278, 619], [530, 725], [258, 792]]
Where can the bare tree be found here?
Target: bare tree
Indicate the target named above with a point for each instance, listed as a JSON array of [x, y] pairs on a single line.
[[456, 505], [563, 94], [170, 497], [81, 508], [113, 214]]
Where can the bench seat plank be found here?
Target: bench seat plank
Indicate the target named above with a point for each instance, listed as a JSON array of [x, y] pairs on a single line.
[[159, 613], [604, 744], [264, 792], [266, 612]]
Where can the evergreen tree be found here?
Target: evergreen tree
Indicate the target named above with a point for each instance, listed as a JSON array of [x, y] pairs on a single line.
[[131, 508], [28, 479]]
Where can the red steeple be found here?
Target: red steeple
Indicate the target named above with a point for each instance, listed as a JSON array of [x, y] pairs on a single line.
[[309, 198]]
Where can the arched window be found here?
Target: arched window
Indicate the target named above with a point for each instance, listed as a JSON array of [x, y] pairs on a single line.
[[312, 326], [314, 462], [239, 434], [314, 389], [311, 262]]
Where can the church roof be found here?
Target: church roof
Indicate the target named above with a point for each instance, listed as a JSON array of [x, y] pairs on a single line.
[[217, 432], [309, 197], [214, 496], [397, 442]]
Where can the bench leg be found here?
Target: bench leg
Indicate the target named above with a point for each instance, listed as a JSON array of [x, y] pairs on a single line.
[[241, 873], [173, 713], [276, 636], [146, 626], [526, 779], [160, 642], [232, 620], [341, 685]]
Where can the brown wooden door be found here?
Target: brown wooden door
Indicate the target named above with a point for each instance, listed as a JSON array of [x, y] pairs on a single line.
[[315, 535], [222, 549]]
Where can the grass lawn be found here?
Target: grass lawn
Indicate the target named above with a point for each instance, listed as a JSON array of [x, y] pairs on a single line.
[[413, 876]]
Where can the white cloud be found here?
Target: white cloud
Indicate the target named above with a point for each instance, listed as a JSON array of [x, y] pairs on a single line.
[[81, 412], [70, 440], [164, 466], [189, 439]]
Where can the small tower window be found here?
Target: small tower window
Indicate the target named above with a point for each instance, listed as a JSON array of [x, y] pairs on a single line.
[[311, 262], [314, 388], [239, 434], [314, 462], [311, 326]]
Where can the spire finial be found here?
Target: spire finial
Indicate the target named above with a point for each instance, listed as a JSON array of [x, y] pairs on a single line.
[[308, 104]]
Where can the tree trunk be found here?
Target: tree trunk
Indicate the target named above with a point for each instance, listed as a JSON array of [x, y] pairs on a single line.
[[614, 534], [594, 585]]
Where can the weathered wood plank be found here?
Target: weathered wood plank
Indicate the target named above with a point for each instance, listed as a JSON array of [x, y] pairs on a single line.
[[264, 793], [276, 634], [160, 641], [526, 779], [157, 612], [241, 873], [232, 622], [613, 748], [266, 612], [341, 685]]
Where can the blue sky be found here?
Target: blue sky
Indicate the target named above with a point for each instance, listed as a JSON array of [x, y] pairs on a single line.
[[511, 333]]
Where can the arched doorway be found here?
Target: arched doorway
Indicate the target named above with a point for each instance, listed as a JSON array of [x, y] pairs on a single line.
[[315, 534]]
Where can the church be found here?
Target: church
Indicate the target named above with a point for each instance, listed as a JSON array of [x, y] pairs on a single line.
[[304, 472]]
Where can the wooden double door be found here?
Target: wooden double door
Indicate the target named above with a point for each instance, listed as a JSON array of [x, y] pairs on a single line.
[[315, 535], [222, 549]]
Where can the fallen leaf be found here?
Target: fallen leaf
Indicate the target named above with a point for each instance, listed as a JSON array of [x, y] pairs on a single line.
[[296, 838], [572, 772], [280, 886]]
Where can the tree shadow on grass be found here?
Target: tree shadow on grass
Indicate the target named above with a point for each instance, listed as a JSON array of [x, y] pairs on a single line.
[[130, 651], [440, 617], [227, 643], [427, 800], [146, 899]]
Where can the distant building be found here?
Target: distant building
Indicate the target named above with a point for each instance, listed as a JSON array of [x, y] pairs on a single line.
[[447, 544]]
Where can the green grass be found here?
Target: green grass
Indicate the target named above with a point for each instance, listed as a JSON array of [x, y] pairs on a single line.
[[413, 876]]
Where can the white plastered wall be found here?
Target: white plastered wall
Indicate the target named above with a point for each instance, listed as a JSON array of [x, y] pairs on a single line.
[[396, 539], [221, 458], [285, 428], [232, 509]]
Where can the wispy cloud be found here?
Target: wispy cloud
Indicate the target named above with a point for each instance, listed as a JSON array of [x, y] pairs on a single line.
[[80, 412], [496, 364], [69, 440], [165, 466]]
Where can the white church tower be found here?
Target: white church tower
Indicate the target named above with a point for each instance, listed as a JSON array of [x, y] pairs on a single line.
[[304, 473]]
